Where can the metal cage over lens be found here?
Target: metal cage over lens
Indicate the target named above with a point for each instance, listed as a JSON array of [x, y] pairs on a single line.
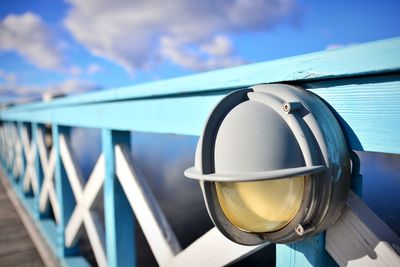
[[273, 165]]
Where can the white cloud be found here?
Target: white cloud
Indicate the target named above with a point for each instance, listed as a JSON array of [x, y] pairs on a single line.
[[192, 34], [72, 87], [8, 78], [75, 70], [12, 91], [28, 36], [219, 46], [93, 69], [192, 59], [90, 70]]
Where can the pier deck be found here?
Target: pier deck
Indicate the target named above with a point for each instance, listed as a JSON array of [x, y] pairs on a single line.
[[16, 246]]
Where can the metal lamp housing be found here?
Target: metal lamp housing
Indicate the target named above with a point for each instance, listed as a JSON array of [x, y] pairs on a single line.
[[272, 132]]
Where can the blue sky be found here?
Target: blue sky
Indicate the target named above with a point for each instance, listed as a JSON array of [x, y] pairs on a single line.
[[75, 46]]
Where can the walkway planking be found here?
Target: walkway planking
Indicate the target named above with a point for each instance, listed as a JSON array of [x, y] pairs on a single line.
[[16, 246]]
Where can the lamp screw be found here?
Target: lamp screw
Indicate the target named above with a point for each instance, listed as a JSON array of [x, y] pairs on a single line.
[[286, 107], [290, 107], [304, 229]]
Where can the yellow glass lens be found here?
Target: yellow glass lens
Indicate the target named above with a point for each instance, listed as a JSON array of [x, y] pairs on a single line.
[[261, 206]]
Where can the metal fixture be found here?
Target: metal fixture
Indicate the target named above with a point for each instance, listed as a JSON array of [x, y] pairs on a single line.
[[273, 165]]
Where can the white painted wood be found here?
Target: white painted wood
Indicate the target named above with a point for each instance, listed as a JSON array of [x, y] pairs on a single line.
[[360, 238], [42, 149], [11, 141], [96, 237], [212, 249], [10, 147], [160, 237], [18, 161], [85, 197], [84, 202], [6, 142], [47, 193], [2, 146], [6, 151], [30, 178], [74, 175]]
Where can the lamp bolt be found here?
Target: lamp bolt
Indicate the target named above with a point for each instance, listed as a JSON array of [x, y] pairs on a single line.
[[304, 229]]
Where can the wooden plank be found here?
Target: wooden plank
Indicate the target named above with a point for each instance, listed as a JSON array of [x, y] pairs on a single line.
[[37, 167], [22, 242], [82, 215], [18, 156], [364, 59], [368, 111], [155, 226], [361, 238], [366, 108], [119, 221], [65, 195], [185, 115], [30, 180], [212, 249], [47, 193], [306, 253], [17, 137], [85, 196]]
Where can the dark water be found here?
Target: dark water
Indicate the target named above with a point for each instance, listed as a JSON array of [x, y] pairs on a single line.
[[162, 160], [381, 184]]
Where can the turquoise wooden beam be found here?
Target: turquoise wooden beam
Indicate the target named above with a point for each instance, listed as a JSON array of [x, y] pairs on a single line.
[[65, 196], [366, 108], [20, 178], [307, 253], [38, 170], [363, 59], [119, 220]]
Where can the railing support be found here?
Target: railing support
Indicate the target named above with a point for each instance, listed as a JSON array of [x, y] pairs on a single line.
[[119, 221], [20, 179], [40, 173], [65, 196], [306, 253], [37, 167]]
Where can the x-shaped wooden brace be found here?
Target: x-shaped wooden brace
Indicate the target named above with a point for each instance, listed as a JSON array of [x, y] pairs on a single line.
[[85, 197], [159, 234], [4, 145], [11, 141], [17, 168], [3, 141], [47, 193], [30, 178], [10, 145]]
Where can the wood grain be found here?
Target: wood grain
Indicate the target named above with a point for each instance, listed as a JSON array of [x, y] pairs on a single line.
[[16, 246], [363, 59], [367, 109]]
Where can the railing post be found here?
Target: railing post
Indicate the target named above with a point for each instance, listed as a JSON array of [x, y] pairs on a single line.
[[19, 127], [3, 146], [306, 253], [7, 154], [65, 196], [119, 221], [39, 172], [10, 149]]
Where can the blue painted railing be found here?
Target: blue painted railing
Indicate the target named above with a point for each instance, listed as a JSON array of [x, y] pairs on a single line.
[[360, 83]]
